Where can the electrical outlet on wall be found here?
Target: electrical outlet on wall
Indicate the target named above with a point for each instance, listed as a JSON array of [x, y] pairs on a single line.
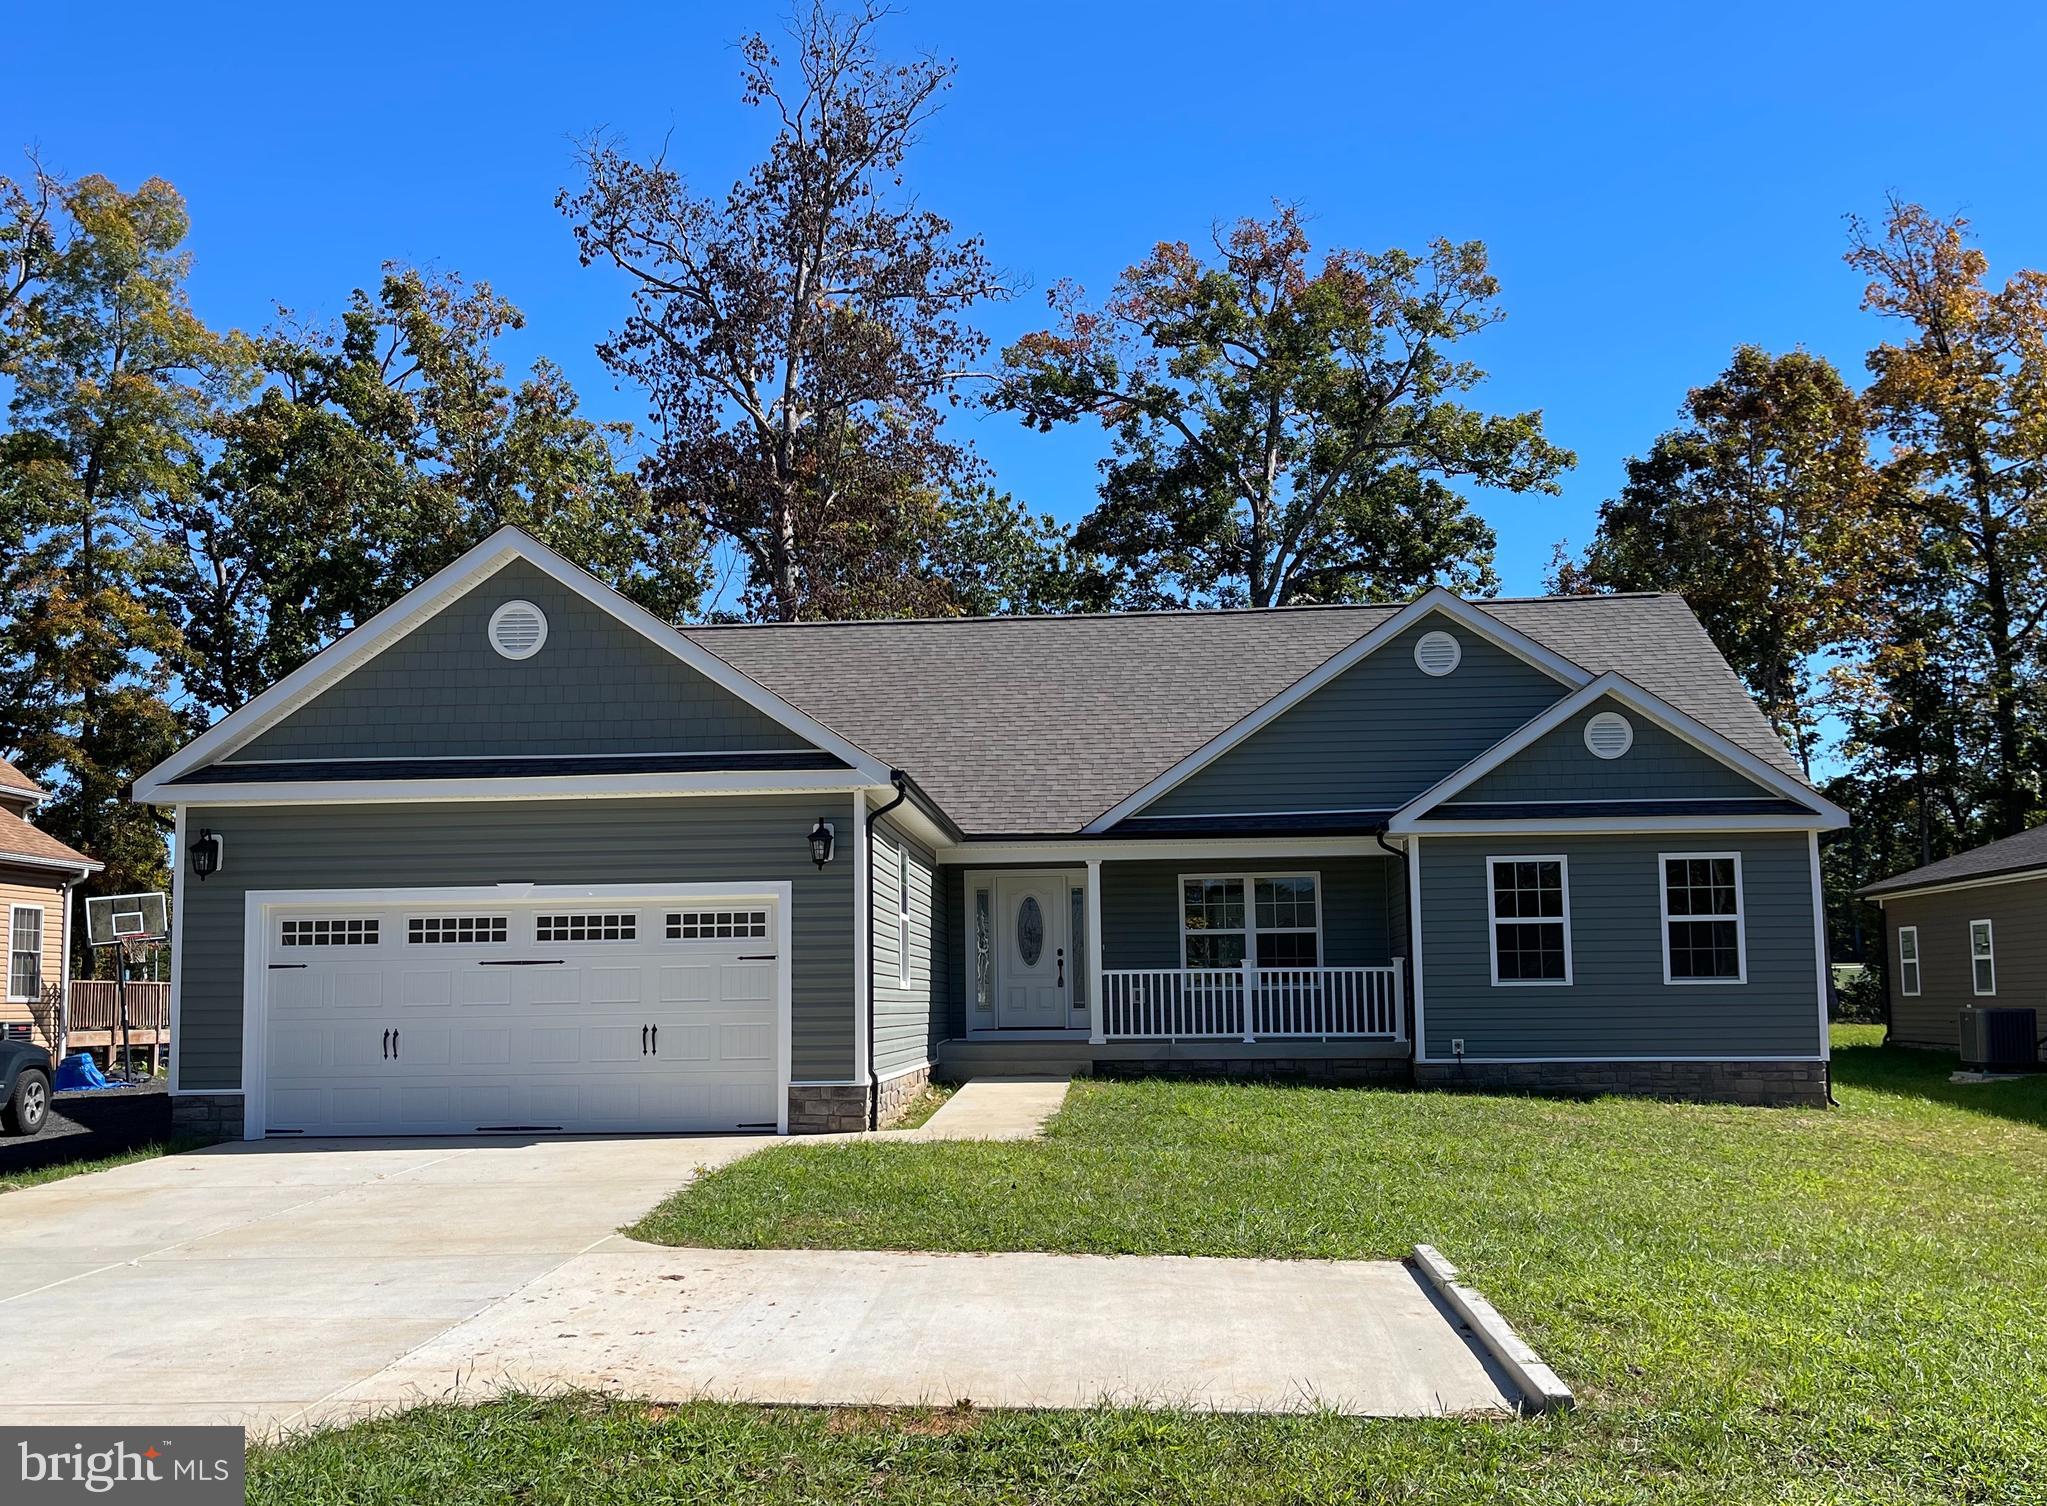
[[1457, 1045]]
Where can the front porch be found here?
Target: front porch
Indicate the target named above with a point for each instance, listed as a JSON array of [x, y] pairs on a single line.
[[1150, 961]]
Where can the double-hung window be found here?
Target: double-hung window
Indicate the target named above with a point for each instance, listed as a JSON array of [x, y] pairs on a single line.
[[1908, 961], [25, 952], [1273, 919], [902, 917], [1982, 958], [1529, 910], [1704, 937]]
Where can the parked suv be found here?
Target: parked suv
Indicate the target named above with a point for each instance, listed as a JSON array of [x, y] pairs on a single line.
[[24, 1087]]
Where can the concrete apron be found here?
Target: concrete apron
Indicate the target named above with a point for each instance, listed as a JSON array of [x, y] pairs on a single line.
[[1005, 1330]]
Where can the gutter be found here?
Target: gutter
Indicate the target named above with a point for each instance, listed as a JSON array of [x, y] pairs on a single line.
[[901, 781], [1414, 1044]]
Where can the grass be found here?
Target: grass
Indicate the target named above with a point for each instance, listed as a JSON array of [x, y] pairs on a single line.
[[15, 1181], [1754, 1305], [927, 1102]]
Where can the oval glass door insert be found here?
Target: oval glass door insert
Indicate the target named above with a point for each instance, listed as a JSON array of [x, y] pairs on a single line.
[[1030, 931]]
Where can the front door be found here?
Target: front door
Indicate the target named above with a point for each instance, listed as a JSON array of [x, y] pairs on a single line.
[[1033, 965]]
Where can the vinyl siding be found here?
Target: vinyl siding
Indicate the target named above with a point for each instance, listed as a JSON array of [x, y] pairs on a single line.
[[701, 840], [1659, 764], [1364, 914], [23, 887], [908, 1022], [1618, 1004], [1374, 737], [2017, 913], [595, 686]]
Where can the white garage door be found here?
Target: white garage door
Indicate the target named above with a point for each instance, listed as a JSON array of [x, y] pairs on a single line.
[[470, 1016]]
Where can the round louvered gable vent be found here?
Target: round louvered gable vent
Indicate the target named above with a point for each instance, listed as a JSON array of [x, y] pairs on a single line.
[[1437, 653], [1609, 735], [517, 629]]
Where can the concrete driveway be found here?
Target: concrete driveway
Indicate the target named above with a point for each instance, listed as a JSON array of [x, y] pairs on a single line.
[[249, 1283]]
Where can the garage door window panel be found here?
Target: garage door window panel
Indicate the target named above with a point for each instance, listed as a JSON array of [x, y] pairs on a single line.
[[593, 927], [322, 931], [717, 925], [456, 930]]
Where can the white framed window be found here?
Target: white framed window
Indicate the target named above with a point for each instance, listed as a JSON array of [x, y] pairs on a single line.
[[456, 930], [24, 952], [344, 932], [1705, 938], [1908, 961], [717, 925], [902, 917], [1275, 919], [1982, 958], [624, 927], [1528, 916], [984, 950]]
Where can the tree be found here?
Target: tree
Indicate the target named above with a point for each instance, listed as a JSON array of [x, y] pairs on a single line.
[[110, 377], [1001, 558], [1283, 433], [799, 337], [1962, 400], [377, 452], [1761, 510]]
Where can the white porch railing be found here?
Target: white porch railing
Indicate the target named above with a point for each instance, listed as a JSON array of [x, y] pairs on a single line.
[[1253, 1003]]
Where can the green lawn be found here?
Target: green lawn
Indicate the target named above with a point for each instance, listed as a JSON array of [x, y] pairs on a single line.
[[1753, 1305], [14, 1181]]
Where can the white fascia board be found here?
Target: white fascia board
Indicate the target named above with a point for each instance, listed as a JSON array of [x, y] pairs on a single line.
[[436, 592], [1826, 815], [2024, 876], [1466, 614], [1080, 849], [55, 865], [555, 787], [1609, 825]]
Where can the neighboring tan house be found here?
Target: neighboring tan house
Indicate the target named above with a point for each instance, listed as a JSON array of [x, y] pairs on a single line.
[[37, 875], [1970, 930], [516, 854]]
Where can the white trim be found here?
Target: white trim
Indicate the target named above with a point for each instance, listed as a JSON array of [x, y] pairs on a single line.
[[889, 1077], [863, 932], [41, 911], [423, 601], [60, 865], [1916, 964], [1436, 599], [1826, 815], [550, 787], [1079, 849], [1098, 1016], [1819, 947], [64, 967], [902, 915], [179, 863], [1990, 956], [259, 763], [258, 903], [1250, 932], [1413, 846], [2029, 875], [1740, 917], [1587, 825], [1493, 921]]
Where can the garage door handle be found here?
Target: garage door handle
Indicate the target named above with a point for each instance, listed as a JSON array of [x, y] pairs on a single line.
[[276, 966], [643, 1040], [657, 1040], [394, 1045], [387, 1045], [742, 957], [535, 962]]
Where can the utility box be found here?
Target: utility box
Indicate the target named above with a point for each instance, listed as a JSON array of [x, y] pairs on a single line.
[[2001, 1040]]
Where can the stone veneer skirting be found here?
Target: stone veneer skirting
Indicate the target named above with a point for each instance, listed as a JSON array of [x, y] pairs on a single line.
[[837, 1108], [1774, 1084], [210, 1117]]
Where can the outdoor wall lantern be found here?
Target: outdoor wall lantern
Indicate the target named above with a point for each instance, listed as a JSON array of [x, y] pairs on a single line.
[[206, 854], [823, 838]]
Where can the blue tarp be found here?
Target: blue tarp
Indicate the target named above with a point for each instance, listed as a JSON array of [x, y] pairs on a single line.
[[80, 1072]]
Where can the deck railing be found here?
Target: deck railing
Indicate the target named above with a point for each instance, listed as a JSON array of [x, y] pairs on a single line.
[[1251, 1003], [94, 1007]]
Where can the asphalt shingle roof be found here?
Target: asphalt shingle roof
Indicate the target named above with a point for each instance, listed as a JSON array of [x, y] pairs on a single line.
[[1039, 724], [13, 780], [18, 839], [2011, 855]]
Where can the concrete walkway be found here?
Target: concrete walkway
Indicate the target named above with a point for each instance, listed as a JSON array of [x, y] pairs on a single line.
[[994, 1108], [249, 1282], [1014, 1330]]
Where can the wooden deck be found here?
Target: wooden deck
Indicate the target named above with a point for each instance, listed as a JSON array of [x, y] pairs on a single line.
[[95, 1020]]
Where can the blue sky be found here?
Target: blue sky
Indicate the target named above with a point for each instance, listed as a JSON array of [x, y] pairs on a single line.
[[1656, 185]]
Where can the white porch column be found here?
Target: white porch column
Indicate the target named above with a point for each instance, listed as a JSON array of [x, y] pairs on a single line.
[[1098, 1007]]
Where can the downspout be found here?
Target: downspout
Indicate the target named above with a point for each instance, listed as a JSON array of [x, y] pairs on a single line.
[[901, 781], [1413, 941]]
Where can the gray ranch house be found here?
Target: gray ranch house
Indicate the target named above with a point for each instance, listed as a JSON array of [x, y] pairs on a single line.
[[516, 855]]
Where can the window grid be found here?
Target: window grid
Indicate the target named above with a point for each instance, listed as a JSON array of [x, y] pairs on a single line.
[[1982, 958], [25, 952], [902, 917], [324, 932], [435, 930], [717, 925], [604, 927], [1529, 900], [1279, 927], [1908, 961], [1702, 918]]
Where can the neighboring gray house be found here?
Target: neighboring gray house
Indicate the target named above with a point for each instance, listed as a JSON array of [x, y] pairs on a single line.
[[1970, 930], [515, 854]]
